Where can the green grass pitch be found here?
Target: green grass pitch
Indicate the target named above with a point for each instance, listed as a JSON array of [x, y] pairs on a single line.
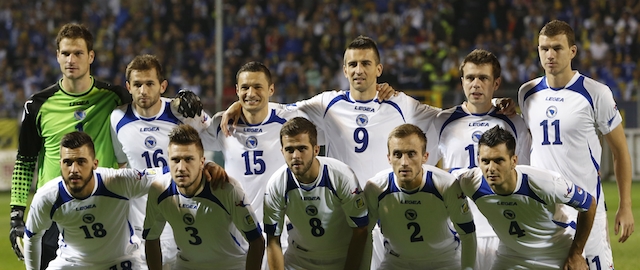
[[625, 255]]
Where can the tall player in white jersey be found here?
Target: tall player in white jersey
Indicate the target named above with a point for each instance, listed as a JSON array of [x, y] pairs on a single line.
[[565, 111], [213, 228], [524, 206], [413, 203], [459, 129], [323, 201], [140, 129], [87, 203]]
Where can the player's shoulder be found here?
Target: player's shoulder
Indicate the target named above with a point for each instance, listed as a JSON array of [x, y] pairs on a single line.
[[534, 83], [334, 164], [231, 187], [119, 112], [380, 179], [445, 114], [538, 177], [49, 188], [108, 86], [594, 87], [439, 176], [279, 178]]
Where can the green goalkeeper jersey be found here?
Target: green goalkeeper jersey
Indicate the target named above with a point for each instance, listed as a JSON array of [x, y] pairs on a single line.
[[48, 116]]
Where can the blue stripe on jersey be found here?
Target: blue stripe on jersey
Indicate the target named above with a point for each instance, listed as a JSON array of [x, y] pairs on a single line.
[[63, 197], [28, 232], [457, 114], [525, 190], [326, 182], [253, 234], [270, 229], [129, 117], [361, 221], [289, 226], [395, 105], [235, 240], [206, 194], [291, 184], [273, 118], [335, 100], [131, 232], [468, 227], [506, 120], [597, 166], [484, 190], [172, 190], [542, 85], [581, 199], [578, 87], [429, 187], [571, 224], [103, 191]]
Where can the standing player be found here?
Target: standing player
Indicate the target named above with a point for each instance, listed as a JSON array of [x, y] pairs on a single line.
[[413, 203], [522, 205], [87, 203], [565, 112], [322, 199], [460, 127], [210, 226], [75, 102], [140, 129]]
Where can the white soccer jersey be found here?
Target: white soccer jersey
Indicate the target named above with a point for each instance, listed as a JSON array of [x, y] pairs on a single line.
[[94, 230], [415, 224], [356, 131], [322, 214], [252, 152], [459, 132], [530, 221], [564, 124], [210, 228]]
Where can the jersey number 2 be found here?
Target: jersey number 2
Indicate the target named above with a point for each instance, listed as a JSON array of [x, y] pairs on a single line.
[[416, 231]]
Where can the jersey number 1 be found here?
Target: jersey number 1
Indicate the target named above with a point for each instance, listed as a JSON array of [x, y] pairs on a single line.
[[258, 163], [545, 132]]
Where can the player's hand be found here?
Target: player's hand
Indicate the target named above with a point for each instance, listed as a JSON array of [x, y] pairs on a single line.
[[575, 262], [385, 91], [188, 104], [17, 231], [215, 175], [506, 106], [232, 113], [624, 224]]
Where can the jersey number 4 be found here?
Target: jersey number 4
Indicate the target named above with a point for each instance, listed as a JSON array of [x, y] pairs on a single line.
[[545, 132], [514, 229]]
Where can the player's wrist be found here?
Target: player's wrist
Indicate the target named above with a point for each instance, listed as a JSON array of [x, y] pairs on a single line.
[[17, 212]]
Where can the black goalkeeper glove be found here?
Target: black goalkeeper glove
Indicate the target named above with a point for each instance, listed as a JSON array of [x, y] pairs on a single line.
[[17, 230], [189, 104]]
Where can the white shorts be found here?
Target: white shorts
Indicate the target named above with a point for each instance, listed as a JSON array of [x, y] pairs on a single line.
[[168, 247], [508, 259], [378, 253], [448, 261], [294, 262], [126, 262], [486, 251], [597, 250]]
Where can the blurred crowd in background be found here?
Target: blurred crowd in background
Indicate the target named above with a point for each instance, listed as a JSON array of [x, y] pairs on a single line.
[[422, 42]]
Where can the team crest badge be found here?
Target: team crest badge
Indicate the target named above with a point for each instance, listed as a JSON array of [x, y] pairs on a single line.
[[359, 203], [88, 218], [249, 220], [509, 214], [79, 115], [188, 219], [411, 214], [362, 120], [465, 207], [311, 210], [476, 135], [150, 142], [552, 111], [251, 142]]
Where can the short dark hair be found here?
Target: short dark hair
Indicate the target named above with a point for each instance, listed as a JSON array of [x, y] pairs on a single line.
[[77, 139], [406, 130], [297, 126], [145, 62], [556, 27], [186, 135], [75, 31], [496, 136], [255, 66], [365, 43], [482, 57]]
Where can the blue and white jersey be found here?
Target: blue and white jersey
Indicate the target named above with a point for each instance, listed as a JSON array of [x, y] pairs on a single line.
[[459, 132], [93, 230], [415, 224], [252, 152], [322, 214], [356, 131], [210, 228], [531, 220], [564, 126]]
